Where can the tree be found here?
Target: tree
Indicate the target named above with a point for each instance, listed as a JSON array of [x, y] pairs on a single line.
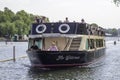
[[2, 29], [19, 23], [10, 29], [94, 25], [2, 17], [19, 26], [114, 32], [117, 2], [9, 15]]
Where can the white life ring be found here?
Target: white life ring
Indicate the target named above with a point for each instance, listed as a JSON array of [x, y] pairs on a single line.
[[64, 25], [43, 30]]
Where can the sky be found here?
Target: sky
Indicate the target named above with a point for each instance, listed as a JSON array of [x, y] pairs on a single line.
[[102, 12]]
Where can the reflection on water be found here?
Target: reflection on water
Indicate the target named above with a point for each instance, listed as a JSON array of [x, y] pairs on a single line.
[[107, 68], [61, 74], [90, 72]]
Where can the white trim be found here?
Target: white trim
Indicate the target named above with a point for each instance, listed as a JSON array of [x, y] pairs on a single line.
[[64, 35], [55, 35]]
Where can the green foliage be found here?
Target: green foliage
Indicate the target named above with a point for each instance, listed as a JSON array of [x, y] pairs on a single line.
[[94, 24], [112, 31], [117, 2], [15, 23]]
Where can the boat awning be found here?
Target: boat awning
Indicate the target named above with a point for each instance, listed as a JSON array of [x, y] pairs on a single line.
[[55, 35]]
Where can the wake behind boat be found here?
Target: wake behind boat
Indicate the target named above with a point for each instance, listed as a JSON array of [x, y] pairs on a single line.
[[65, 44]]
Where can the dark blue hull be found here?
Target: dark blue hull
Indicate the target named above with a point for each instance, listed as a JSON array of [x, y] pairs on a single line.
[[52, 59]]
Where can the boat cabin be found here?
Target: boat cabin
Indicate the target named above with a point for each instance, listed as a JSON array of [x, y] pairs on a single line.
[[66, 36]]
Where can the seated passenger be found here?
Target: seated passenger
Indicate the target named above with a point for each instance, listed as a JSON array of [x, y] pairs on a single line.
[[34, 46], [53, 47]]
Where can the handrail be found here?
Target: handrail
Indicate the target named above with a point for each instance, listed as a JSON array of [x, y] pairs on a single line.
[[66, 44], [69, 42]]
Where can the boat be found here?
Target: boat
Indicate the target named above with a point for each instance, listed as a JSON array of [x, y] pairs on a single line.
[[78, 44]]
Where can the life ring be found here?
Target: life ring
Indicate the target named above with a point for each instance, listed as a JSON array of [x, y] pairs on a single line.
[[64, 25], [43, 28]]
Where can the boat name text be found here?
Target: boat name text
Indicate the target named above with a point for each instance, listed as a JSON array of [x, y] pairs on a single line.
[[69, 57]]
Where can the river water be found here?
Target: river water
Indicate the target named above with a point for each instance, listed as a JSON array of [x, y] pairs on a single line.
[[107, 68]]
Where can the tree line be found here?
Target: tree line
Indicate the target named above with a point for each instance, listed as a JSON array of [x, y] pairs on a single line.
[[113, 31], [117, 2], [15, 23], [19, 23]]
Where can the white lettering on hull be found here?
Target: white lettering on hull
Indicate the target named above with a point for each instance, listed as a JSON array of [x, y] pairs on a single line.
[[69, 57]]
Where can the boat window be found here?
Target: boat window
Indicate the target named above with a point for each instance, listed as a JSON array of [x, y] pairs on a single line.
[[99, 42], [37, 42], [90, 44], [87, 44]]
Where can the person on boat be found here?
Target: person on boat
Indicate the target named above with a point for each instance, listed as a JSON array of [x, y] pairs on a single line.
[[53, 47], [66, 20], [82, 21], [37, 20], [43, 19], [34, 46]]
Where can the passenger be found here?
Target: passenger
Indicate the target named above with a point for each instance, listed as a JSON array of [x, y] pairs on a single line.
[[34, 46], [66, 20], [37, 20], [40, 20], [43, 19], [82, 21], [53, 47]]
